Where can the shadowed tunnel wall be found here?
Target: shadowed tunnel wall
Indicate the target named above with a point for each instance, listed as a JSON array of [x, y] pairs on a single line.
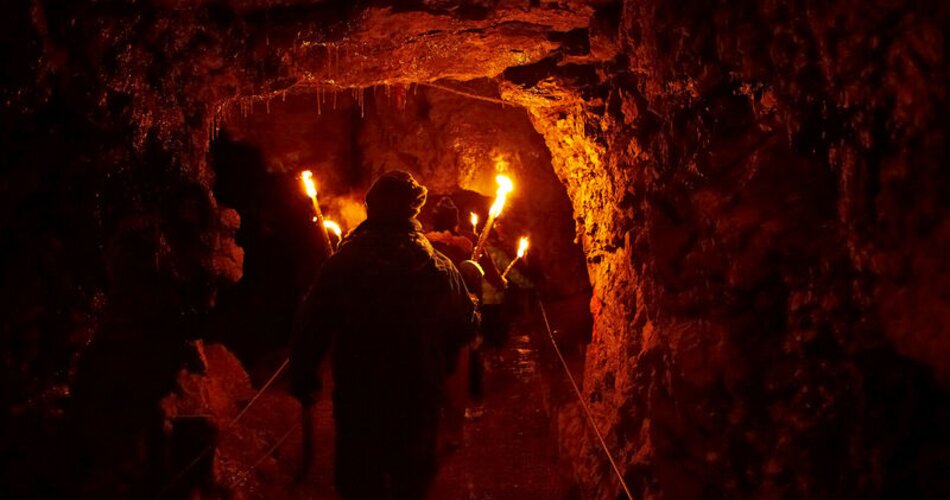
[[758, 189]]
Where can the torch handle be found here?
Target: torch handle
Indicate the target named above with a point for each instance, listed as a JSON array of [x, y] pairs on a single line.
[[510, 265], [323, 229], [483, 238]]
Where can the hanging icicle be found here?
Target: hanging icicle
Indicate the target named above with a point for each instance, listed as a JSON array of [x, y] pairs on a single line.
[[361, 98]]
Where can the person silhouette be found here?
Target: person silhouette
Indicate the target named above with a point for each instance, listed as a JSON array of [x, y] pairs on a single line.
[[393, 312]]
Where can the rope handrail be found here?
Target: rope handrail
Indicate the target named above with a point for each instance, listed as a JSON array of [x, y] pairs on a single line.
[[178, 477], [557, 350], [580, 398], [244, 476]]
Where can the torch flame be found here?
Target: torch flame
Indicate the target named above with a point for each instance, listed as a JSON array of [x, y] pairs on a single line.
[[504, 187], [307, 177], [333, 226], [472, 216], [522, 246]]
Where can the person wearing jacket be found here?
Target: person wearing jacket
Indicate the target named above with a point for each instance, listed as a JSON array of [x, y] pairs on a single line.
[[393, 314]]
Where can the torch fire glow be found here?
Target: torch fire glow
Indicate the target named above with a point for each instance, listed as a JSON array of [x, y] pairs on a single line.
[[334, 227], [504, 187], [522, 249], [310, 188], [474, 218]]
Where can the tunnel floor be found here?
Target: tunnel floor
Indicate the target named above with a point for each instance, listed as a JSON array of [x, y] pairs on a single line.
[[509, 452]]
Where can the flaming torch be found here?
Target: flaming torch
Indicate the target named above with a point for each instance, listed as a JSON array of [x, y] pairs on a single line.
[[522, 249], [504, 187], [334, 228], [311, 188], [472, 216]]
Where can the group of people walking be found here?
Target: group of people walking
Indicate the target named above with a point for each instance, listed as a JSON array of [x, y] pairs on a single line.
[[401, 313]]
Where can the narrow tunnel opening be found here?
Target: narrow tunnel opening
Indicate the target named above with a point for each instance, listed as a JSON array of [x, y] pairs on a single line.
[[453, 141]]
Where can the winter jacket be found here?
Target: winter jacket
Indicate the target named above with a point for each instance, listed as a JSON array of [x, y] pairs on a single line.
[[393, 313]]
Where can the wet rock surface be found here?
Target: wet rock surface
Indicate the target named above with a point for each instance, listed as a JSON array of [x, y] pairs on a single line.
[[733, 172]]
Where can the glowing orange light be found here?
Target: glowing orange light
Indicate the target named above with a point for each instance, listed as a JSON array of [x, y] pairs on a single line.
[[474, 218], [522, 249], [309, 186], [311, 189], [333, 226], [504, 187]]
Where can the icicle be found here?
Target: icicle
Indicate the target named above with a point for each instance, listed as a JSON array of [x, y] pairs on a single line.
[[360, 99]]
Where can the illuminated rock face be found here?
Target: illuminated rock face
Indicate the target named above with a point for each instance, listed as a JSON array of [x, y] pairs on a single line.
[[764, 237], [758, 189]]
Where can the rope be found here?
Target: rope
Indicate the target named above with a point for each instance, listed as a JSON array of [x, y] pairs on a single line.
[[234, 421], [467, 94], [261, 391], [247, 473], [580, 397]]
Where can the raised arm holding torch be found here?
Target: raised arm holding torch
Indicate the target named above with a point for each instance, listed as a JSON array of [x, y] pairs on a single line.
[[311, 188], [306, 411], [504, 187], [522, 249]]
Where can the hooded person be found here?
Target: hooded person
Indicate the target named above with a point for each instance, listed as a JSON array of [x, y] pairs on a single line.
[[393, 313], [444, 237]]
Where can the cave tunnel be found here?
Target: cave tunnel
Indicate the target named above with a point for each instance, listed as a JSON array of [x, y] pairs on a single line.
[[736, 284], [453, 141]]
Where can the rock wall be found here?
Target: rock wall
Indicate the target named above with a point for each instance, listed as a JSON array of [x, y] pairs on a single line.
[[757, 186], [114, 246], [760, 195]]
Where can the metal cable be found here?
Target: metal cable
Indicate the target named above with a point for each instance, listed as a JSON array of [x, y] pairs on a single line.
[[233, 421], [247, 473], [580, 397]]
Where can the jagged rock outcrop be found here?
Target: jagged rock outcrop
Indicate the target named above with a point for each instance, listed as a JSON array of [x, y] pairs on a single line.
[[736, 173]]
